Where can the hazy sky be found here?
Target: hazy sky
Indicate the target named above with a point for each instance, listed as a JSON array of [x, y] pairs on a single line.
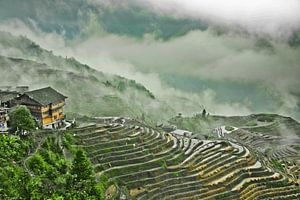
[[232, 56]]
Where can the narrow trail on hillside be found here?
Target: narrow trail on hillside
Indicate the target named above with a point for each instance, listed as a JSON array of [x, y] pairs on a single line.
[[66, 152], [24, 162], [61, 144]]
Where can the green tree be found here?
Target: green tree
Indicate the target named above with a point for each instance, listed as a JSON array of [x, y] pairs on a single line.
[[12, 150], [82, 181], [21, 119], [38, 164], [82, 169]]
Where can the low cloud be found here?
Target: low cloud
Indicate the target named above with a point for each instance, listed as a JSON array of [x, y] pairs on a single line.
[[274, 18], [271, 66]]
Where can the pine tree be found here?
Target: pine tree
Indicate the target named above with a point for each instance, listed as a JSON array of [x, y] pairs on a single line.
[[82, 180], [81, 167]]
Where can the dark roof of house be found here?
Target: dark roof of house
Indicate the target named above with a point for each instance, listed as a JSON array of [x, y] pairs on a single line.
[[46, 96], [6, 96]]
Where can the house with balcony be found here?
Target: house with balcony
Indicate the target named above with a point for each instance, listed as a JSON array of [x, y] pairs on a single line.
[[6, 101], [46, 105]]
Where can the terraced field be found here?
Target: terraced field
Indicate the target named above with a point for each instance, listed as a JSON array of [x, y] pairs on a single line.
[[138, 162]]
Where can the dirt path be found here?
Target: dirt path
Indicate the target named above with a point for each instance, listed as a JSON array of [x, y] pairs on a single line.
[[62, 146], [24, 163]]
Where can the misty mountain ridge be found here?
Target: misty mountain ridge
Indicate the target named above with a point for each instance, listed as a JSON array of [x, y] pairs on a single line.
[[90, 91]]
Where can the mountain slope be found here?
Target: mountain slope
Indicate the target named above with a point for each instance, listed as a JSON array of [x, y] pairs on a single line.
[[274, 136], [90, 92], [142, 163]]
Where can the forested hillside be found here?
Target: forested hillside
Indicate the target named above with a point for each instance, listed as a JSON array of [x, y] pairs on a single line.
[[44, 165]]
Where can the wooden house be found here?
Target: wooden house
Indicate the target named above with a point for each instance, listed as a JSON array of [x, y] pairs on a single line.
[[46, 105]]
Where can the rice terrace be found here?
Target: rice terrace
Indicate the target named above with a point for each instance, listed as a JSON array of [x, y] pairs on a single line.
[[149, 100], [140, 162]]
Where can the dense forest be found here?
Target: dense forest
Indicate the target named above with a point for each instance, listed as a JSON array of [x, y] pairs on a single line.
[[45, 166]]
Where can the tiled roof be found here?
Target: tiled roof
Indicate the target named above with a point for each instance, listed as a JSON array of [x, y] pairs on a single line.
[[46, 96], [6, 96]]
